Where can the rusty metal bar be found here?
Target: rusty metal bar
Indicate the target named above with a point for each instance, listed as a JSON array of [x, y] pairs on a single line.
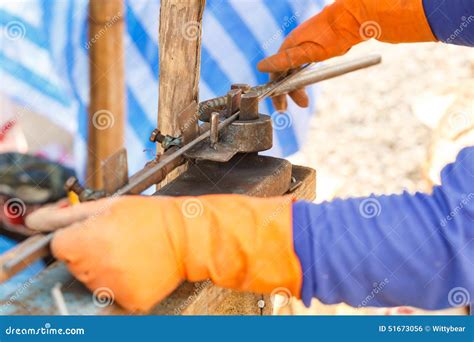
[[249, 106], [327, 72], [24, 254], [214, 130]]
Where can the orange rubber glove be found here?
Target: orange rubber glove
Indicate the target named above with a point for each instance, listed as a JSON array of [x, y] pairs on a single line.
[[342, 25], [142, 248]]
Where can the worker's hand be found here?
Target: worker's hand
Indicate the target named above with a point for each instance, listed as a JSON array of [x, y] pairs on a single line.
[[340, 26], [142, 248]]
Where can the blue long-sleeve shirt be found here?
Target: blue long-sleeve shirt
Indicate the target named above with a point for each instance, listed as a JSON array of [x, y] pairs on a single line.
[[415, 250], [452, 21], [408, 249]]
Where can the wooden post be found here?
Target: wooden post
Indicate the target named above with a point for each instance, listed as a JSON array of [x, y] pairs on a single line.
[[180, 60], [107, 85]]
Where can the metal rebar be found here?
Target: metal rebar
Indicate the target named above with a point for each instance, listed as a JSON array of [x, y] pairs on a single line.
[[59, 300], [302, 80], [29, 254], [214, 130], [327, 72]]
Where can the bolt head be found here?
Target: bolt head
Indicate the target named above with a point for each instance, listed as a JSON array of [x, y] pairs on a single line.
[[70, 182], [242, 86], [154, 136]]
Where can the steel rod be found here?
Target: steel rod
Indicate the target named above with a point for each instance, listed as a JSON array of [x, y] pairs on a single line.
[[27, 255], [313, 76], [306, 78]]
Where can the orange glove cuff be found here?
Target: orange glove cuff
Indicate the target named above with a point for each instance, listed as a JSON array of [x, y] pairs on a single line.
[[239, 242], [391, 21]]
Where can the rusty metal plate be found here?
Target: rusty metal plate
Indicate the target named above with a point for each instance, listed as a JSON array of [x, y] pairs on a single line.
[[247, 174], [188, 119], [239, 137], [115, 171], [219, 153]]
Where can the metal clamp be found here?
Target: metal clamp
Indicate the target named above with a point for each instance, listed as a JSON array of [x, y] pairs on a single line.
[[166, 141], [84, 194]]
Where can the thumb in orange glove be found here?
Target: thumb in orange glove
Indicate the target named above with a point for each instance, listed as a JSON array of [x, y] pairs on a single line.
[[342, 25], [142, 248]]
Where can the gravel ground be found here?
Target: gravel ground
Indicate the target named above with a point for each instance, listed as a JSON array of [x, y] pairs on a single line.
[[365, 138]]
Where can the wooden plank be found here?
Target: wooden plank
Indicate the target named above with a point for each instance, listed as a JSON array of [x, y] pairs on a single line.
[[107, 85], [180, 65]]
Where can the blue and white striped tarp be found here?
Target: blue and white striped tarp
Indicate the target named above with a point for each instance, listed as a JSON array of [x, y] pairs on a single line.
[[44, 61]]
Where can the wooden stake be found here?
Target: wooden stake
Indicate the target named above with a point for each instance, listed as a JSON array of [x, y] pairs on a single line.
[[180, 61], [180, 65], [107, 91]]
